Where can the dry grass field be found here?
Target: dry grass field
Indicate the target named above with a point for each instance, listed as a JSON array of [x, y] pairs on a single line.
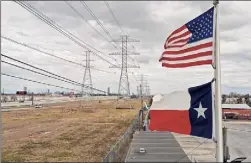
[[70, 132]]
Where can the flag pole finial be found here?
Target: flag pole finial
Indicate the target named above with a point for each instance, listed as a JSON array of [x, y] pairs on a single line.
[[215, 2]]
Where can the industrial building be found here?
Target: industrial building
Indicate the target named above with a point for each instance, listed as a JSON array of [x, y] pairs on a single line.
[[236, 111]]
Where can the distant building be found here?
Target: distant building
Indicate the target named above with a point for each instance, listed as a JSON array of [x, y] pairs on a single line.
[[235, 106], [236, 111]]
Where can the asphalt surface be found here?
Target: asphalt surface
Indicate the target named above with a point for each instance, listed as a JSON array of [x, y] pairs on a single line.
[[158, 146], [239, 140], [11, 106]]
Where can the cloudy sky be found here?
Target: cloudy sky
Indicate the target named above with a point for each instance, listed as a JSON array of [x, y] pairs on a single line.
[[149, 22]]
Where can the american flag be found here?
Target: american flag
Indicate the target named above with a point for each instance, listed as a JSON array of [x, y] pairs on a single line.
[[191, 44]]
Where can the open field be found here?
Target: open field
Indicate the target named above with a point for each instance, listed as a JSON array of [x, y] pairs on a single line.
[[51, 100], [69, 132]]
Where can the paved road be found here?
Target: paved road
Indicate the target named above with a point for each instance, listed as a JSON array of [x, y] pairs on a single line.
[[11, 106], [239, 140], [28, 104]]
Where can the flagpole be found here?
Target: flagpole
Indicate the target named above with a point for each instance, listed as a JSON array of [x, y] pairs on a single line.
[[217, 71]]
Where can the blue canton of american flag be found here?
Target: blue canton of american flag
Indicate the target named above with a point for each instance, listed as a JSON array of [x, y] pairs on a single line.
[[191, 44]]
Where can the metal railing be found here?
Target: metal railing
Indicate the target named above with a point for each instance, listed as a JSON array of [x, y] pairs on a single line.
[[119, 150]]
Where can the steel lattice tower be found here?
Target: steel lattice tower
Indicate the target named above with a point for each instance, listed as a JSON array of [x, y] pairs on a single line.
[[87, 79], [124, 86], [144, 84]]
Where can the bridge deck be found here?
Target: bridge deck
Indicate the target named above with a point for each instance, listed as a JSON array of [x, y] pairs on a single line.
[[159, 147]]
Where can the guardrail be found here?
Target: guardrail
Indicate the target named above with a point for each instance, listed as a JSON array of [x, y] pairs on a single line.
[[118, 151]]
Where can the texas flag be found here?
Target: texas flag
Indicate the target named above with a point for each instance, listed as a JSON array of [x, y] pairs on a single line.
[[187, 112]]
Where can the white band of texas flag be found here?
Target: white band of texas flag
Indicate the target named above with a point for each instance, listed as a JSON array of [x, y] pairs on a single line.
[[187, 112]]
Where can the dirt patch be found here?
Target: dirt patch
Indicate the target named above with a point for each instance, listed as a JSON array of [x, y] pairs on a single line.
[[72, 132]]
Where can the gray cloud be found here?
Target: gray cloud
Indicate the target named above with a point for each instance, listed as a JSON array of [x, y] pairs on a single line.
[[150, 22]]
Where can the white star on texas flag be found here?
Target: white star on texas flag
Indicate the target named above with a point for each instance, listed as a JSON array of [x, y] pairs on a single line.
[[201, 111]]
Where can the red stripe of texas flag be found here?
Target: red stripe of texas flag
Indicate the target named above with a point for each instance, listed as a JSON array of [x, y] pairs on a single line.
[[170, 120]]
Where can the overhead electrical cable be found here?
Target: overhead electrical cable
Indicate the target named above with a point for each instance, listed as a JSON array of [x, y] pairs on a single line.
[[98, 21], [82, 17], [50, 54], [101, 25], [56, 26], [34, 81], [50, 72], [36, 72], [114, 17]]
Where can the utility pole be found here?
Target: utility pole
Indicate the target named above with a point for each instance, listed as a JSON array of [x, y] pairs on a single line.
[[87, 79], [32, 99], [124, 87]]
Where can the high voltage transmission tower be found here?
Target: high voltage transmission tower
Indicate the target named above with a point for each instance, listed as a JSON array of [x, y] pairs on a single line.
[[87, 79], [143, 88], [147, 89], [124, 86]]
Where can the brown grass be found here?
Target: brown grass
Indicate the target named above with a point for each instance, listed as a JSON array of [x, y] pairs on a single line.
[[70, 132]]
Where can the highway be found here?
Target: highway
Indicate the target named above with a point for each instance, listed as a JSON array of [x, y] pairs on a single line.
[[239, 139], [11, 106]]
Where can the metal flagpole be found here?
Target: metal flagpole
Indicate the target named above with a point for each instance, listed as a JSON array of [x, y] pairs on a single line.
[[217, 71], [1, 104]]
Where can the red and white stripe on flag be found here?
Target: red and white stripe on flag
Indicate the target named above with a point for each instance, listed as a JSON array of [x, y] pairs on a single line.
[[191, 44]]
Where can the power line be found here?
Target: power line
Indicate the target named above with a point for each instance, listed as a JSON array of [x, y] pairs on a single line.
[[60, 29], [114, 17], [81, 16], [30, 47], [98, 21], [136, 80], [56, 26], [38, 82], [47, 72], [36, 72], [101, 25], [94, 16], [50, 54]]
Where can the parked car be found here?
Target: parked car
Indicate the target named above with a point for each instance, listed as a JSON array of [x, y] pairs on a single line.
[[229, 115], [133, 96], [38, 106]]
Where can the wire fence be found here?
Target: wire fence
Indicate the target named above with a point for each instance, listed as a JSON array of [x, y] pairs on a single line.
[[119, 150]]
